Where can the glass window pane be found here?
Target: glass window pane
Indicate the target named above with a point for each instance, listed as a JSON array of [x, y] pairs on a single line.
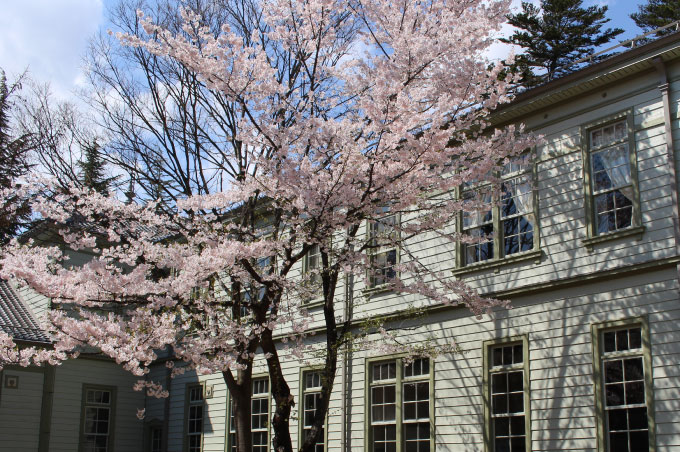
[[635, 338], [613, 371], [618, 442], [517, 352], [635, 392], [637, 418], [501, 426], [516, 402], [618, 420], [633, 369], [614, 394], [515, 381], [610, 341], [517, 426], [518, 444], [639, 441], [507, 355], [499, 383]]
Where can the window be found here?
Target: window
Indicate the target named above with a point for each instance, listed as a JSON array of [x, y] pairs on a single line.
[[312, 264], [401, 408], [259, 417], [311, 396], [480, 226], [611, 179], [506, 394], [503, 227], [623, 383], [97, 415], [194, 418], [382, 235], [156, 439]]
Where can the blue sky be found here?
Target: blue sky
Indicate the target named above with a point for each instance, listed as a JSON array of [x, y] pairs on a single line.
[[49, 37]]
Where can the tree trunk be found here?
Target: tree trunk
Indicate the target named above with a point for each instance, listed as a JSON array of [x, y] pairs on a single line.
[[282, 396], [240, 391]]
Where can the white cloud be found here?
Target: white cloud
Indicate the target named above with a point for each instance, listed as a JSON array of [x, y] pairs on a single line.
[[49, 37], [498, 50]]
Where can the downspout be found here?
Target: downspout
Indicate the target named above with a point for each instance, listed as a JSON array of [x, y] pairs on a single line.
[[346, 430], [166, 404], [46, 409], [664, 87]]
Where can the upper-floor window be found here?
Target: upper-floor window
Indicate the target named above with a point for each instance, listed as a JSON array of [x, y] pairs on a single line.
[[502, 227], [611, 182], [97, 414], [400, 406], [383, 252], [624, 387], [312, 264], [612, 195]]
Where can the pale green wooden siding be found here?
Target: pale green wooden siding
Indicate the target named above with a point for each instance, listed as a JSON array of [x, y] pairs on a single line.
[[66, 411], [20, 411]]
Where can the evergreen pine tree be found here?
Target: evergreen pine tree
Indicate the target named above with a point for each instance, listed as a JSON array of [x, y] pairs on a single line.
[[555, 34], [13, 160], [92, 169], [657, 13]]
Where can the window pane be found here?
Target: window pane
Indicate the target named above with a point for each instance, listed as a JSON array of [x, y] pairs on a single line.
[[517, 425], [637, 418], [639, 441], [614, 394], [515, 381], [633, 369], [618, 442], [613, 371], [635, 338]]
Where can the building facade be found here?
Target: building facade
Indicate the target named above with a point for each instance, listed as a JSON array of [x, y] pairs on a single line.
[[585, 243], [586, 246]]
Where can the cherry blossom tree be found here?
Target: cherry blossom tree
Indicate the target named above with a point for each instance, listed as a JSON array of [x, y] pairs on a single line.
[[346, 117]]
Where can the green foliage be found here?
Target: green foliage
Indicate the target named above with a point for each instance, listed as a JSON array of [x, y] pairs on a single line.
[[14, 162], [657, 13], [93, 169], [554, 35]]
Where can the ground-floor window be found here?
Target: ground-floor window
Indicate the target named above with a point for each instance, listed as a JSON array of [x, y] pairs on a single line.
[[97, 415], [623, 382], [507, 395], [311, 397], [259, 417], [400, 405], [194, 418]]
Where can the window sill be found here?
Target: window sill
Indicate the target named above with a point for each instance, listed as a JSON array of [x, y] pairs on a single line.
[[590, 242], [313, 304], [535, 255], [372, 291]]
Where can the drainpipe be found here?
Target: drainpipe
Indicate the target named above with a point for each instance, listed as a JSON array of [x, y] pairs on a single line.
[[166, 404], [664, 87], [346, 429], [46, 409]]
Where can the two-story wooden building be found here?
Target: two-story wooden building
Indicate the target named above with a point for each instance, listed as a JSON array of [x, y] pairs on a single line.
[[586, 245], [587, 248]]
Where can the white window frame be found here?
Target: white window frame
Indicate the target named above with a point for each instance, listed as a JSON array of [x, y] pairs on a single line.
[[490, 370], [601, 356], [493, 219], [89, 403], [192, 403], [398, 381], [256, 397], [314, 391]]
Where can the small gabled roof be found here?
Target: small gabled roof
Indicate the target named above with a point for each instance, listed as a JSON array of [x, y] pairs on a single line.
[[15, 318]]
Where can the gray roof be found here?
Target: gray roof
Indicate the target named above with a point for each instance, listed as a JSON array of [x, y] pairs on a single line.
[[15, 318]]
